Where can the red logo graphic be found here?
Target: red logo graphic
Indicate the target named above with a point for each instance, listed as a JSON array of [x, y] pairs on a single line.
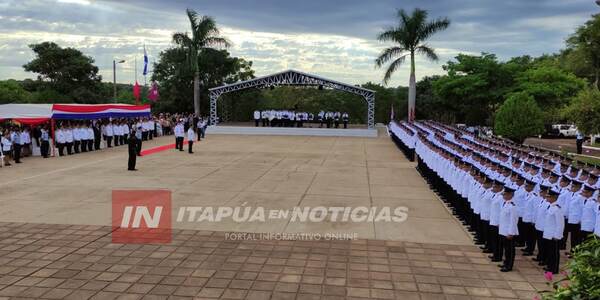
[[141, 217]]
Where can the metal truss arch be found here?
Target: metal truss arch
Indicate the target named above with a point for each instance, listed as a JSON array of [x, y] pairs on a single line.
[[293, 78]]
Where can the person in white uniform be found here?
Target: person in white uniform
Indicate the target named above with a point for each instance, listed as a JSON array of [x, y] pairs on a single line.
[[508, 228], [553, 231]]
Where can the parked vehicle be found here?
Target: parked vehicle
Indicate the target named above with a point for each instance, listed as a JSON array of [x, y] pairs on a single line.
[[550, 131], [566, 131]]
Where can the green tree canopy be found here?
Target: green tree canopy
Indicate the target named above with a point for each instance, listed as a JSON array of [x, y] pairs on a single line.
[[475, 86], [551, 87], [519, 117], [584, 110], [583, 50], [11, 91], [176, 79], [63, 69]]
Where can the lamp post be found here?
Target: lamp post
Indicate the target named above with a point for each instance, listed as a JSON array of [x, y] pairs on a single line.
[[115, 78]]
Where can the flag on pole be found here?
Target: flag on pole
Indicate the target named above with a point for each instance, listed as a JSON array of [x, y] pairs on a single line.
[[145, 61], [153, 93], [392, 113], [136, 93]]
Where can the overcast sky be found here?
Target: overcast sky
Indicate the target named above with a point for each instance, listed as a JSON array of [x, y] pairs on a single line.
[[332, 38]]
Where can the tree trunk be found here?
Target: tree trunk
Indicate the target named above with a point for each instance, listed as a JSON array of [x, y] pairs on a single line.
[[412, 89], [197, 94]]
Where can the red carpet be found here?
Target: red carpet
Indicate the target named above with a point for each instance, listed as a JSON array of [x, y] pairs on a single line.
[[161, 148]]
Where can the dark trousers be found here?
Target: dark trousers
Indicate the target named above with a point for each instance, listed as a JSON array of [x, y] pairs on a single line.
[[84, 144], [97, 143], [552, 255], [90, 144], [151, 134], [139, 147], [179, 143], [109, 141], [264, 122], [61, 148], [509, 252], [575, 231], [529, 237], [541, 245], [132, 160], [76, 146], [495, 242], [69, 148], [17, 153], [190, 145], [44, 148], [144, 135], [345, 124], [256, 121], [579, 146]]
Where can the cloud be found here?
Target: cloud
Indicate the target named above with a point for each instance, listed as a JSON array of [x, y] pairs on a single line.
[[330, 38]]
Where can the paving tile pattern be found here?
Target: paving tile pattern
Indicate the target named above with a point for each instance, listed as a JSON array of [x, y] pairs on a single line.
[[80, 262]]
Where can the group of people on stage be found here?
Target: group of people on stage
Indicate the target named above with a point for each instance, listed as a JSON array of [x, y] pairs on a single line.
[[291, 118], [508, 195]]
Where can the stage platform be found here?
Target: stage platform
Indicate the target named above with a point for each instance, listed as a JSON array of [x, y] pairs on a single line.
[[245, 130]]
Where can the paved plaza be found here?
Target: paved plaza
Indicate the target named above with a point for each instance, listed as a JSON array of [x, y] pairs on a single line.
[[55, 234]]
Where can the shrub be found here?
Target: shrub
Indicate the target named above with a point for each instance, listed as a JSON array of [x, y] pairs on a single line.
[[519, 117], [582, 279]]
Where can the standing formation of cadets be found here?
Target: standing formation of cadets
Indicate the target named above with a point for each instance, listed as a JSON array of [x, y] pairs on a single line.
[[288, 118], [508, 195]]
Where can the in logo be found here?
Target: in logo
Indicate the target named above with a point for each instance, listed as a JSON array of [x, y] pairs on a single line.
[[141, 217]]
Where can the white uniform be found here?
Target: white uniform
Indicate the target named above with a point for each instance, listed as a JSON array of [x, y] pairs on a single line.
[[554, 223], [588, 215], [191, 136], [179, 130], [509, 218]]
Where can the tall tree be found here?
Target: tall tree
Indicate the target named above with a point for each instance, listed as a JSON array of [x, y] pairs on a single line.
[[519, 117], [175, 78], [410, 36], [583, 50], [63, 69], [205, 34]]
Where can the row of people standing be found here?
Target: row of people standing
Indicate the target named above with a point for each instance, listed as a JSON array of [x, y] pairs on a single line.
[[290, 118], [332, 119], [193, 132], [509, 195], [15, 143]]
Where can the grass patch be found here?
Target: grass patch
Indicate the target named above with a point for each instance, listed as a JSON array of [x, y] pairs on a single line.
[[589, 160]]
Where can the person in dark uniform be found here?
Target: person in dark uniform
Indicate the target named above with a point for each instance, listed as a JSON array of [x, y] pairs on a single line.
[[97, 135], [579, 143], [133, 151]]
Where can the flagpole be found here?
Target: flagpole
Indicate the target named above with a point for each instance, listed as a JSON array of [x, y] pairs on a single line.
[[135, 67]]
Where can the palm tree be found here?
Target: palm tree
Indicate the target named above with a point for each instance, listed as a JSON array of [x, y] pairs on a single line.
[[205, 34], [410, 35]]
